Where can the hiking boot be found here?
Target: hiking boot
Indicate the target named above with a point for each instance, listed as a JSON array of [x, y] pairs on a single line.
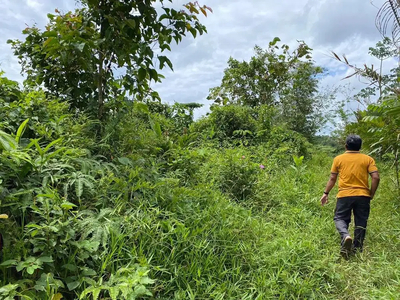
[[345, 251]]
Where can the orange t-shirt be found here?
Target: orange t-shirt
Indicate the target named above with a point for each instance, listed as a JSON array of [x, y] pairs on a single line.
[[353, 168]]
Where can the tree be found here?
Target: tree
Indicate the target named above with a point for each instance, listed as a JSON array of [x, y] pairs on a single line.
[[275, 77], [180, 114], [379, 124], [76, 56]]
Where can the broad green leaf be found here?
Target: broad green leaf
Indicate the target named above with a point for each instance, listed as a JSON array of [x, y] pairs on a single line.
[[125, 161], [142, 107], [10, 262], [165, 46], [153, 75], [20, 266], [193, 31], [54, 228], [57, 296], [131, 23], [163, 60], [45, 259], [39, 288], [7, 142], [73, 285], [70, 267], [88, 272], [142, 74], [34, 226], [50, 41], [141, 290], [89, 281], [146, 280], [67, 205], [50, 33], [8, 288]]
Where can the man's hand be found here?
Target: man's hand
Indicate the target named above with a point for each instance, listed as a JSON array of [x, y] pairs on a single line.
[[324, 199], [329, 185]]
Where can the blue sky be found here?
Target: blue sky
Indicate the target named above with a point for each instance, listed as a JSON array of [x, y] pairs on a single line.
[[234, 28]]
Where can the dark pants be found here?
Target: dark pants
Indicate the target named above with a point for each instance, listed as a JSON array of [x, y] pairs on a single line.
[[360, 205]]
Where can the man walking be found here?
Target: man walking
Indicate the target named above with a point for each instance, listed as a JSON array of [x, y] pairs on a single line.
[[354, 193]]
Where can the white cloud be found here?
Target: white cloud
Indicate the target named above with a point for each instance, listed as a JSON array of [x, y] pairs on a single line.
[[34, 4], [234, 28]]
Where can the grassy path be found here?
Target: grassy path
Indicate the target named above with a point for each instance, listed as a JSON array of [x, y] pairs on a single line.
[[375, 274], [279, 244]]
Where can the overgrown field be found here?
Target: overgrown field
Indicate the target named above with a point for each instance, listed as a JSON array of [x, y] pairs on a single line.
[[192, 222], [108, 193]]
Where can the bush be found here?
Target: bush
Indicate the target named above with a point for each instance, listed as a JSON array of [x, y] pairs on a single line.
[[49, 119], [231, 123], [284, 143]]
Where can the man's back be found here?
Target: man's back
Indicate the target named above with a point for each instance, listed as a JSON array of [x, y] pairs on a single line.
[[353, 168], [354, 193]]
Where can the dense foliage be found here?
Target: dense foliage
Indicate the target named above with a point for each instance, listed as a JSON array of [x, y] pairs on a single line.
[[276, 77], [109, 196], [76, 56], [379, 123]]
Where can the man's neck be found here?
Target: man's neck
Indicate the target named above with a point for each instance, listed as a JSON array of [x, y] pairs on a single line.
[[352, 151]]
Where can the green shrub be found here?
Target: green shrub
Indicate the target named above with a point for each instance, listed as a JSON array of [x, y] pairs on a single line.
[[284, 143], [231, 123], [238, 175]]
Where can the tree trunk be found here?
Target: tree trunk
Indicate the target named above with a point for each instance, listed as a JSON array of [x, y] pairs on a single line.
[[100, 99]]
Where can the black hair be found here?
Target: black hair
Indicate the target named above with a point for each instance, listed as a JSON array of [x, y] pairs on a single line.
[[353, 142]]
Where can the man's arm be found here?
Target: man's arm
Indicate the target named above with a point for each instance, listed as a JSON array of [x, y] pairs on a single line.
[[375, 183], [329, 185]]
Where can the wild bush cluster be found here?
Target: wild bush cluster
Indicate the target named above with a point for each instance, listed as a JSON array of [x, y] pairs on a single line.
[[93, 215]]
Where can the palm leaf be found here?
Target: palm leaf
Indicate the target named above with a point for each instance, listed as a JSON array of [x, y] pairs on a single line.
[[387, 19]]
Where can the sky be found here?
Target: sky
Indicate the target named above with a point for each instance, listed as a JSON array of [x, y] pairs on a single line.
[[234, 28]]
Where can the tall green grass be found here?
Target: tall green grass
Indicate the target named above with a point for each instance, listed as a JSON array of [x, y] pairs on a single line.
[[277, 243], [194, 223]]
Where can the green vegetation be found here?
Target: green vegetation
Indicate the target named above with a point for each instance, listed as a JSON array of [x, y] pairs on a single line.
[[118, 196]]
